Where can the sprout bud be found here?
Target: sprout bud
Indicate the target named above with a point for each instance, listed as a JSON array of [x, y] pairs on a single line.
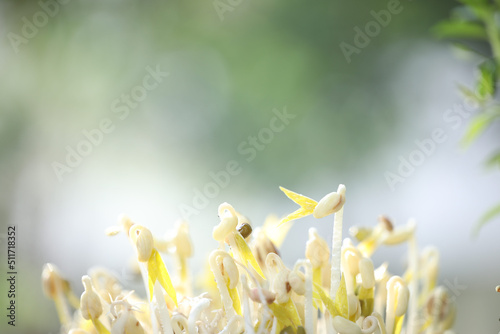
[[402, 304], [317, 250], [90, 303], [329, 204], [51, 281], [367, 273], [143, 240]]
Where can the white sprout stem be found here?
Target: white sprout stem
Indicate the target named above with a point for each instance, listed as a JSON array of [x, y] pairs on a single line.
[[393, 288], [63, 311], [329, 324], [195, 314], [161, 305], [233, 325], [145, 279], [262, 298], [308, 308], [274, 329], [413, 307], [336, 252], [246, 306], [221, 284]]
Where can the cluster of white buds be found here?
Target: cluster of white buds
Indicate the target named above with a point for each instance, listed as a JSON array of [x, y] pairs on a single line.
[[250, 289]]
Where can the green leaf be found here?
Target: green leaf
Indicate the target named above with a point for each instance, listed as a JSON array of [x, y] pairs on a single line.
[[478, 126], [486, 83], [487, 217], [474, 2], [470, 47], [469, 93], [460, 29], [479, 7]]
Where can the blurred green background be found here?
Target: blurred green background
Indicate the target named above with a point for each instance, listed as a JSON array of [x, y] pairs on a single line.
[[352, 121]]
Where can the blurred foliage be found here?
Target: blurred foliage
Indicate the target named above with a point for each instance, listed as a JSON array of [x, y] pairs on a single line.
[[479, 20]]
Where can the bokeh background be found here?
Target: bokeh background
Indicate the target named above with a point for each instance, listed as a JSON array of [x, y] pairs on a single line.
[[226, 74]]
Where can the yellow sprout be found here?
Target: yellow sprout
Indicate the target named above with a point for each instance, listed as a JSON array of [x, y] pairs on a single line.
[[307, 205]]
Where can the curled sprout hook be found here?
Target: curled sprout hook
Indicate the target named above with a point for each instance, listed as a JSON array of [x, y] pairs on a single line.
[[228, 222], [180, 323], [317, 250], [279, 278], [318, 253], [371, 325], [397, 302], [195, 314], [216, 257], [350, 263]]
